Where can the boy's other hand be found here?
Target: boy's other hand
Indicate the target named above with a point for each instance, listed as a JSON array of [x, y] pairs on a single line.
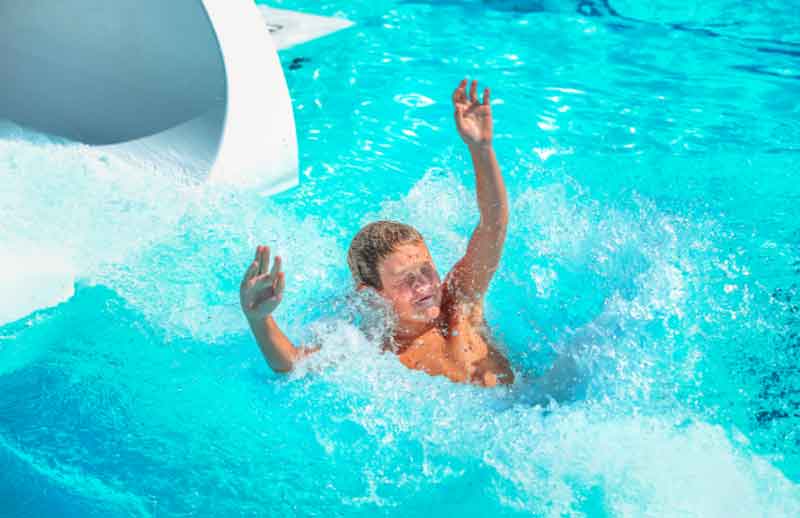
[[473, 117], [261, 289]]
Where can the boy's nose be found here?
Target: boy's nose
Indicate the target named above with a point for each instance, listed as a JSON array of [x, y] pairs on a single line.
[[420, 283]]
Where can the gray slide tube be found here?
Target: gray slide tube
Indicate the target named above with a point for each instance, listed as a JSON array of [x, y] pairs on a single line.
[[189, 87], [192, 84]]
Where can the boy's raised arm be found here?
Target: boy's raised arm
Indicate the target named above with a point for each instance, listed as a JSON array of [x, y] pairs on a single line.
[[471, 275], [260, 293]]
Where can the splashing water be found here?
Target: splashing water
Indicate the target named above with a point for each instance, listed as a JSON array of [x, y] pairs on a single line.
[[149, 399], [664, 270]]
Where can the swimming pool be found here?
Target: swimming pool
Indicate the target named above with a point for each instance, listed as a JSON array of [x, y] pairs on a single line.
[[650, 155]]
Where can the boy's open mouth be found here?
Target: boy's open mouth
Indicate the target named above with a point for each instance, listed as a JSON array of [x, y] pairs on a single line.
[[426, 301]]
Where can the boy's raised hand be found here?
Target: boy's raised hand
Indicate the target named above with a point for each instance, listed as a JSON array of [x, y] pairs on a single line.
[[261, 289], [473, 117]]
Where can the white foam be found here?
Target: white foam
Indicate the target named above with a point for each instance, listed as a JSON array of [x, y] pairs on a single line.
[[68, 209], [32, 278]]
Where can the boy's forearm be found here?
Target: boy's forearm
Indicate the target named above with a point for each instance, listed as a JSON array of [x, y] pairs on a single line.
[[471, 275], [491, 190], [279, 352]]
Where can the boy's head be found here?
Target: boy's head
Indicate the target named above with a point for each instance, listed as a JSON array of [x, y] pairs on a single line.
[[392, 259]]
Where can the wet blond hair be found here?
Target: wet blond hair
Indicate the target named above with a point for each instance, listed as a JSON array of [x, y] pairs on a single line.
[[374, 243]]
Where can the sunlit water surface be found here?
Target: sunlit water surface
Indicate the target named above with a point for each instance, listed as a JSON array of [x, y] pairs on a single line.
[[651, 154]]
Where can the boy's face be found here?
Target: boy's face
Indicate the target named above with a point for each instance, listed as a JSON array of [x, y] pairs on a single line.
[[411, 283]]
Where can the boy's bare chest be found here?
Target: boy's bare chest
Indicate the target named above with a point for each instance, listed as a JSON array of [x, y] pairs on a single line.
[[460, 342]]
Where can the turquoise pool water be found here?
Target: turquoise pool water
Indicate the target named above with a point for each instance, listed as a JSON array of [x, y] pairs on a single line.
[[651, 154]]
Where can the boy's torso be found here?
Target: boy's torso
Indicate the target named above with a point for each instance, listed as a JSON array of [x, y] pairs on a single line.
[[464, 333]]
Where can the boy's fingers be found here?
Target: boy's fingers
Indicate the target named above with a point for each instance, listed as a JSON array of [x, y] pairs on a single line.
[[263, 266], [458, 93], [276, 267], [472, 88], [280, 284], [486, 97], [252, 270]]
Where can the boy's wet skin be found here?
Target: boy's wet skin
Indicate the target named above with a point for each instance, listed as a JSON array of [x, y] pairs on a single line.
[[437, 335], [437, 327]]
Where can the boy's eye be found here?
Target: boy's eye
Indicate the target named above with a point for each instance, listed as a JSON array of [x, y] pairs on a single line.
[[403, 282]]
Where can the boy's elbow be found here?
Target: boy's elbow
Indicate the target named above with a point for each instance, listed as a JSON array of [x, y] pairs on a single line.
[[503, 214], [281, 365], [281, 369], [495, 226], [495, 217], [286, 365], [502, 223]]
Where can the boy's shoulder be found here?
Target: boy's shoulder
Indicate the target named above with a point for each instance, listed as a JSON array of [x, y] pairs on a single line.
[[456, 307]]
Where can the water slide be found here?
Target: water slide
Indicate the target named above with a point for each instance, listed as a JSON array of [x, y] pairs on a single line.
[[188, 86]]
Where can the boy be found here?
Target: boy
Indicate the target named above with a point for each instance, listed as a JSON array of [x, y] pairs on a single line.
[[439, 326]]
